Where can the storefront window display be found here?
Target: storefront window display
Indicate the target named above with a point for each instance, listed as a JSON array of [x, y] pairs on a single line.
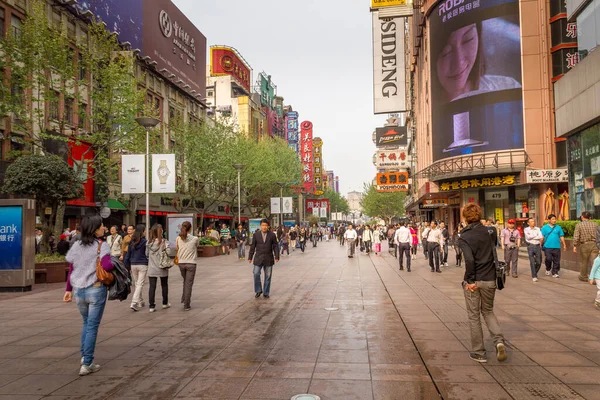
[[584, 172]]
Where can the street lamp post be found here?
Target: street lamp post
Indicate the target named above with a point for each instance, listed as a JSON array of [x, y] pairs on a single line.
[[239, 168], [281, 185], [148, 123]]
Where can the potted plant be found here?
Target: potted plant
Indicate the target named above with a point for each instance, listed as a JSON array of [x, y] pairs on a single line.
[[50, 268], [208, 247]]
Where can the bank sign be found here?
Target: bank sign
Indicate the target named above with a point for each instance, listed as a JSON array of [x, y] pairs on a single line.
[[11, 237]]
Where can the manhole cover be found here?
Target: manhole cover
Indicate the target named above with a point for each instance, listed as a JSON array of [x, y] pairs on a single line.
[[306, 397], [327, 309]]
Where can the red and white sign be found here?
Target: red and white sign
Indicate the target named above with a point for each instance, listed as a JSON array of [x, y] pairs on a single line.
[[306, 154], [226, 61], [392, 159], [314, 205]]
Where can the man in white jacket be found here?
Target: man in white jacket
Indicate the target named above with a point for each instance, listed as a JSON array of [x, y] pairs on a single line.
[[403, 239], [350, 237]]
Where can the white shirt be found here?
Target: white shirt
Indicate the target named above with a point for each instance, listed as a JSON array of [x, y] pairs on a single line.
[[350, 234], [425, 233], [533, 236], [403, 235], [435, 236]]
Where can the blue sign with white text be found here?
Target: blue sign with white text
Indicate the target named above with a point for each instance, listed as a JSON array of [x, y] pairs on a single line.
[[11, 237]]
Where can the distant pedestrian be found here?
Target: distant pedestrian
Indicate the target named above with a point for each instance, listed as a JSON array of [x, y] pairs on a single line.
[[554, 237], [285, 242], [314, 234], [435, 249], [38, 240], [156, 248], [480, 283], [533, 239], [457, 249], [510, 240], [186, 246], [82, 283], [367, 238], [446, 237], [225, 234], [594, 278], [137, 259], [293, 237], [403, 240], [341, 231], [302, 239], [114, 240], [126, 241], [123, 231], [414, 233], [264, 253], [584, 243], [241, 237], [424, 237], [63, 245], [377, 235], [350, 236]]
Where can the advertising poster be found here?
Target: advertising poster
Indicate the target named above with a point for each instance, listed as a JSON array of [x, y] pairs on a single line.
[[11, 237], [163, 173], [288, 205], [306, 146], [275, 205], [323, 212], [391, 136], [254, 225], [174, 227], [314, 206], [226, 61], [133, 173], [476, 74]]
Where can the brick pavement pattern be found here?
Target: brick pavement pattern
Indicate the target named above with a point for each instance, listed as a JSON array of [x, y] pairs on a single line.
[[395, 335]]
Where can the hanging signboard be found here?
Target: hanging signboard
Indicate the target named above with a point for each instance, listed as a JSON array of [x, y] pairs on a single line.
[[547, 175], [391, 136], [288, 205], [392, 159], [163, 173], [392, 182], [133, 173], [275, 205]]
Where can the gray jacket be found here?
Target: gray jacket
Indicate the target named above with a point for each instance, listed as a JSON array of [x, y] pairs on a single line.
[[154, 255]]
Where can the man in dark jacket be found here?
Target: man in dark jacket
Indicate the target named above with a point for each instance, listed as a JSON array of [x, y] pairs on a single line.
[[478, 247], [265, 253]]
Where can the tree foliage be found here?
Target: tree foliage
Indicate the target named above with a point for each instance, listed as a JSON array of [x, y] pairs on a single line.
[[337, 203], [383, 205]]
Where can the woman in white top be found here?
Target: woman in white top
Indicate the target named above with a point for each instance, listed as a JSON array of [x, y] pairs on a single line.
[[187, 248], [114, 242]]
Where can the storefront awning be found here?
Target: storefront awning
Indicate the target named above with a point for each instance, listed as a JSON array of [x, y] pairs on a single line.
[[116, 205]]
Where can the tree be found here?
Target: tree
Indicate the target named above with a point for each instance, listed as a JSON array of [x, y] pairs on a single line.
[[49, 180], [337, 203], [383, 205]]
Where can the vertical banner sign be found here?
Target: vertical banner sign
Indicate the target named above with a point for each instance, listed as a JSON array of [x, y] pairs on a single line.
[[163, 173], [288, 205], [291, 130], [323, 212], [318, 165], [11, 237], [133, 174], [389, 76], [275, 205], [306, 146]]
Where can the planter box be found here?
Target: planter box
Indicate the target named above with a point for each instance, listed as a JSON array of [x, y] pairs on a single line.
[[51, 272], [208, 251], [568, 259]]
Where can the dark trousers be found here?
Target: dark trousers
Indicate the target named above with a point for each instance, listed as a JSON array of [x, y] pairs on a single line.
[[188, 273], [413, 250], [552, 260], [534, 251], [426, 249], [445, 260], [404, 248], [434, 255], [302, 245], [164, 284], [368, 246]]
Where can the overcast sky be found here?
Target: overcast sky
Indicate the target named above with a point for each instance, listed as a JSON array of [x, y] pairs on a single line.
[[319, 54]]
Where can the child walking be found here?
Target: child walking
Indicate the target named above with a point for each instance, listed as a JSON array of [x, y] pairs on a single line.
[[595, 279]]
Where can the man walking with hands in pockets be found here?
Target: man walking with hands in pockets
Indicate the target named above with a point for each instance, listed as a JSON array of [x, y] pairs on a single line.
[[533, 238], [265, 253]]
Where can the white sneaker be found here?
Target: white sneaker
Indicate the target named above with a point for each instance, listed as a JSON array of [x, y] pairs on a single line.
[[165, 306], [547, 273], [152, 310], [88, 369], [535, 279], [555, 276]]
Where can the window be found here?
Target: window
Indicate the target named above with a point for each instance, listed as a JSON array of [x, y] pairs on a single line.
[[71, 30], [53, 105], [22, 4], [17, 142], [153, 102], [588, 29], [69, 110], [1, 22], [81, 64], [83, 116], [56, 20], [16, 25]]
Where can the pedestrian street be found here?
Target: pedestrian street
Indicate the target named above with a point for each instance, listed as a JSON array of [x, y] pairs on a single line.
[[335, 327]]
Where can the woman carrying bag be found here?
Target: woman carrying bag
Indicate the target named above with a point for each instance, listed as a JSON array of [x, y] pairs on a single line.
[[158, 267], [137, 258], [89, 259], [187, 251]]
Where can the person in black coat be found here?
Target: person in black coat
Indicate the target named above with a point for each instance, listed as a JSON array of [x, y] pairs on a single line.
[[264, 252]]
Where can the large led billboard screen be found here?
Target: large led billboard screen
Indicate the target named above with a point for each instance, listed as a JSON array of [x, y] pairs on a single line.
[[477, 103]]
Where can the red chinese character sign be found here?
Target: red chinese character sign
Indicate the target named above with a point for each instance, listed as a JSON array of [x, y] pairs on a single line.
[[306, 153], [314, 206]]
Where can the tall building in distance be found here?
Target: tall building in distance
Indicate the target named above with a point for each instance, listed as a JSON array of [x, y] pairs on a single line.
[[354, 201]]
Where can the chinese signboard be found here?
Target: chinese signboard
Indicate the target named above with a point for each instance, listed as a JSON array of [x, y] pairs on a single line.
[[392, 182], [397, 159], [547, 175], [391, 136], [318, 165], [11, 236], [267, 90], [306, 154], [314, 206], [563, 40], [434, 203], [494, 181], [226, 61], [387, 3], [291, 129]]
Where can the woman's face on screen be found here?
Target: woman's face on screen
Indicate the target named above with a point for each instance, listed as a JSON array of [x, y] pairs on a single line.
[[456, 60]]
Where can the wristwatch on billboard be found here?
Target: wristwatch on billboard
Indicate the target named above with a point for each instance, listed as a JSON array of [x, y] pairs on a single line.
[[163, 172]]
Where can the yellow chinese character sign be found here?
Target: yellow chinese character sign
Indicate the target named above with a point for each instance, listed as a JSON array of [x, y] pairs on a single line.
[[473, 183], [387, 3]]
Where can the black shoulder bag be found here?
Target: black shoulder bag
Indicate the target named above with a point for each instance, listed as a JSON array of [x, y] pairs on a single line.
[[500, 267]]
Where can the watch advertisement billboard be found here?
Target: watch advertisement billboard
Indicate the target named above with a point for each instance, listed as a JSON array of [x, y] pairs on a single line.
[[11, 237], [160, 31], [306, 155], [133, 174], [163, 173], [389, 76], [476, 77], [391, 136], [226, 61]]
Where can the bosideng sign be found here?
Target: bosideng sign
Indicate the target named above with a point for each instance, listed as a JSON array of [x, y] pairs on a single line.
[[389, 75]]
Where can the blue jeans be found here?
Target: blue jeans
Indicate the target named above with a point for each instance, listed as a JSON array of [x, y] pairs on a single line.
[[242, 249], [258, 287], [90, 301]]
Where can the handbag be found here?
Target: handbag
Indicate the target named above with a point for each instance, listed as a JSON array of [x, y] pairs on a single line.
[[500, 268], [107, 278], [176, 260], [165, 260]]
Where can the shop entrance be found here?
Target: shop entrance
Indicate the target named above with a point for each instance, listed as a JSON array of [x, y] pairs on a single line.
[[496, 205]]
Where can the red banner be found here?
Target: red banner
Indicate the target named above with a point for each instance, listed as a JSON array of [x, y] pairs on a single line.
[[225, 61], [306, 153], [313, 204]]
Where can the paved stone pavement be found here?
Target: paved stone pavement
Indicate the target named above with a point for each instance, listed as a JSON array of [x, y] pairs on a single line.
[[395, 335]]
